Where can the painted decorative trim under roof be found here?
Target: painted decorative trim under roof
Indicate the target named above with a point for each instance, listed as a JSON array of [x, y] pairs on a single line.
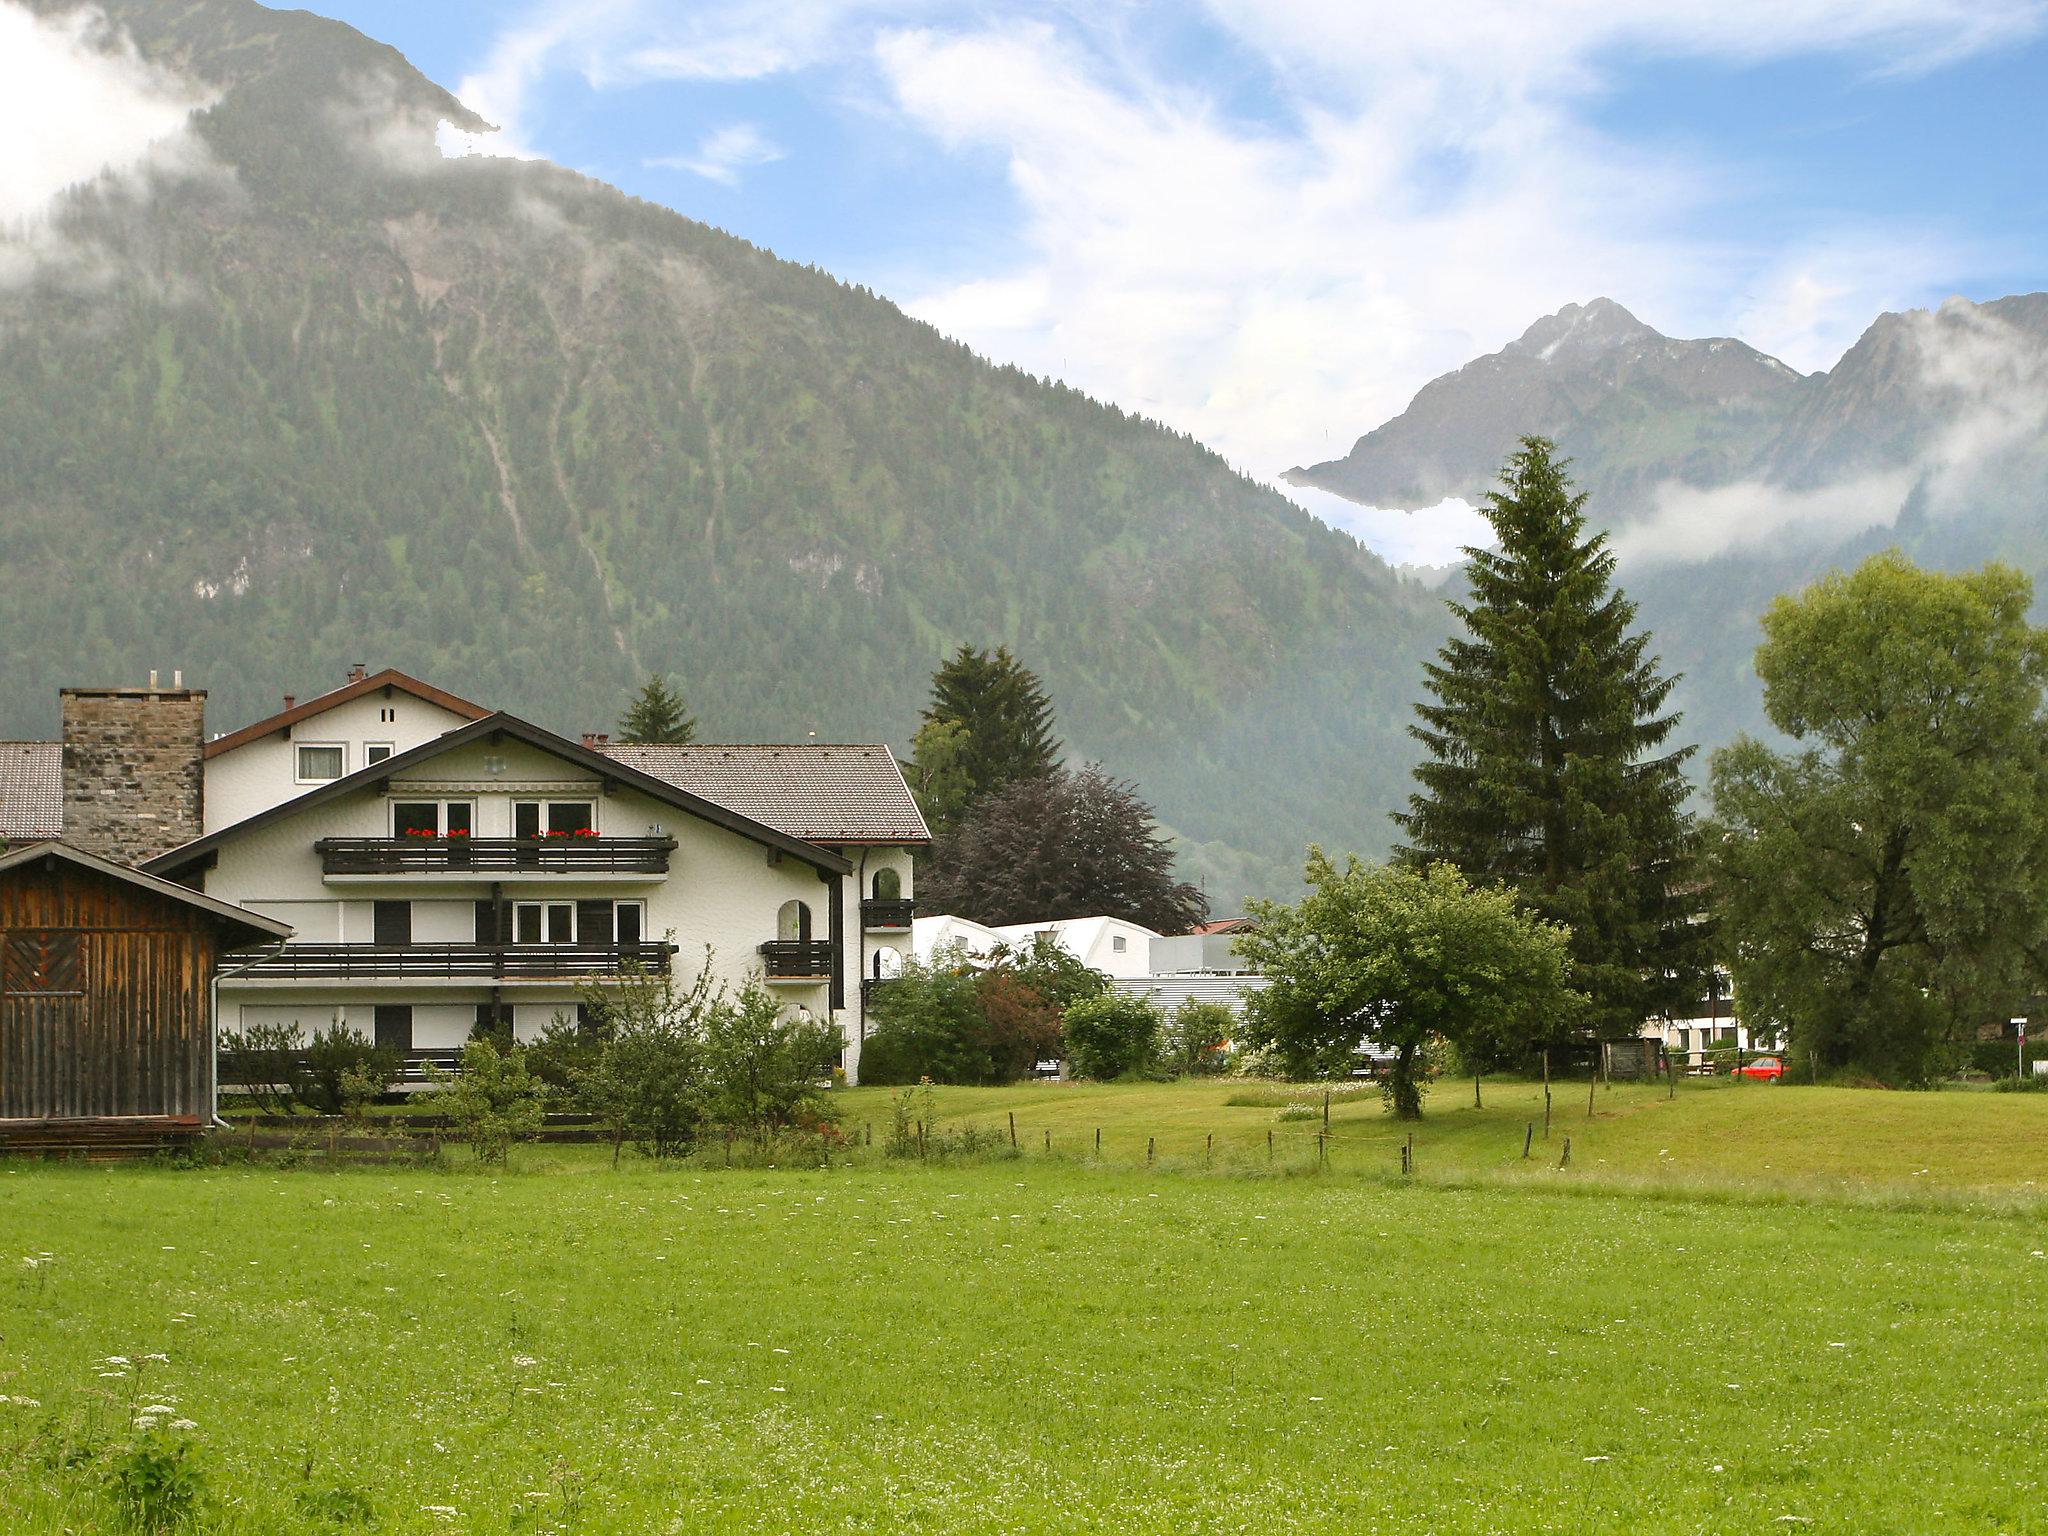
[[489, 728], [388, 678], [263, 929]]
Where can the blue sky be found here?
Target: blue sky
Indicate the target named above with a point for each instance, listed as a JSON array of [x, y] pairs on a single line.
[[1269, 221]]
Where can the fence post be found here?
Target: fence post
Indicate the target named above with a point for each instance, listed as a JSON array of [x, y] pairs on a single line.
[[1098, 1142], [1148, 1151], [1528, 1137], [1411, 1151], [871, 1133], [1013, 1129], [1326, 1111], [1593, 1084], [1269, 1145], [920, 1138], [1546, 1093], [1048, 1141], [1565, 1161], [728, 1146], [1404, 1159], [1209, 1150], [1322, 1149], [1475, 1091]]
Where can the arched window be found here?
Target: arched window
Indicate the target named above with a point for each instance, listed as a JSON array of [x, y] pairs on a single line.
[[888, 885], [793, 922], [888, 963]]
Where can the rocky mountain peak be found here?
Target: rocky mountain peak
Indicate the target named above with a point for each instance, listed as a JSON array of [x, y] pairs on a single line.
[[1580, 331]]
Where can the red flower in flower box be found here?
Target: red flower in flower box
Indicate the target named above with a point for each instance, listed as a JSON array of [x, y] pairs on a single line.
[[586, 831]]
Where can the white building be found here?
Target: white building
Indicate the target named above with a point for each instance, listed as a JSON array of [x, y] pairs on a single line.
[[444, 867], [1107, 944], [932, 936]]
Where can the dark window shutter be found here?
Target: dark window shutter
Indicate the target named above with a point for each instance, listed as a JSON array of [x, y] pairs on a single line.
[[488, 931], [594, 922], [391, 923], [394, 1026]]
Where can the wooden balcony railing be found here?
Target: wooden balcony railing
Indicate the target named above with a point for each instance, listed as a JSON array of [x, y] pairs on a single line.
[[797, 960], [455, 962], [494, 856], [887, 916]]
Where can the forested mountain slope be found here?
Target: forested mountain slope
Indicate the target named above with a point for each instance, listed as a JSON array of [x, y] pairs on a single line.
[[310, 394]]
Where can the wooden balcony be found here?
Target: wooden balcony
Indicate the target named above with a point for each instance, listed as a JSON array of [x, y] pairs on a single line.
[[493, 858], [878, 916], [796, 960], [483, 963]]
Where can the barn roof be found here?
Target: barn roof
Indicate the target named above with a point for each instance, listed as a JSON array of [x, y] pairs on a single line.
[[31, 790], [822, 792], [249, 929]]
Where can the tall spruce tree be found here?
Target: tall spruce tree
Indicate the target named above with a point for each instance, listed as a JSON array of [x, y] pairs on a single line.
[[1002, 708], [1547, 767], [656, 717]]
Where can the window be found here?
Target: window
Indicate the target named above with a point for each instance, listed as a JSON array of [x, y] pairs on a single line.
[[553, 818], [544, 922], [375, 752], [1118, 943], [432, 818], [888, 885], [629, 922], [320, 762], [387, 715]]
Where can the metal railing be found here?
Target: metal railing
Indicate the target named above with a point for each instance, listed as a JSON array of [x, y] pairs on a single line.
[[449, 962], [494, 855]]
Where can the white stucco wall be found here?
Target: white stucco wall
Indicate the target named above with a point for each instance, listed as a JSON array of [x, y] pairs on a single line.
[[262, 773]]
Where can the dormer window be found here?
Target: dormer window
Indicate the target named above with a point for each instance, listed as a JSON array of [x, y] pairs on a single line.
[[321, 762]]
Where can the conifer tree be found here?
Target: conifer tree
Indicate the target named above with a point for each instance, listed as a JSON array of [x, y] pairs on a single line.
[[1547, 767], [656, 717], [1003, 709]]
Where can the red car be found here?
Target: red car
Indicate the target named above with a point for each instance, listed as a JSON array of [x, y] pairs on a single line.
[[1765, 1069]]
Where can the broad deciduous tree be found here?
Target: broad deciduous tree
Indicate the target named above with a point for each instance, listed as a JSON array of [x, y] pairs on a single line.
[[1062, 844], [1547, 763], [1884, 889], [1396, 955]]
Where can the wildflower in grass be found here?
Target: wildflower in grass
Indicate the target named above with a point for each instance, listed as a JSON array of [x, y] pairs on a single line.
[[523, 1361]]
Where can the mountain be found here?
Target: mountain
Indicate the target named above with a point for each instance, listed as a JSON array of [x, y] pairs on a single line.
[[297, 391], [1726, 477]]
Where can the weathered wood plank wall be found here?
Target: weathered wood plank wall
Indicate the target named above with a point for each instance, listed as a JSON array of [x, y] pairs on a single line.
[[121, 1028]]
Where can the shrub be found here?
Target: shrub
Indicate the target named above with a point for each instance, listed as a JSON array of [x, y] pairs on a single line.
[[494, 1101], [1019, 1026], [925, 1026], [564, 1054], [264, 1061], [340, 1050], [1112, 1035], [762, 1073], [159, 1481], [1196, 1035]]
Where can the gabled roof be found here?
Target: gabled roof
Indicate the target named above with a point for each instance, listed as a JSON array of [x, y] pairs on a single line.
[[492, 727], [246, 929], [819, 791], [388, 678], [31, 790]]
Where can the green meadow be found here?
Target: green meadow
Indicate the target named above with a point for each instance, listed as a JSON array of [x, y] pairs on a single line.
[[1745, 1309]]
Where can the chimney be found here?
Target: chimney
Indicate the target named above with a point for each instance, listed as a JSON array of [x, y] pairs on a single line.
[[358, 672], [590, 741], [133, 774], [289, 700]]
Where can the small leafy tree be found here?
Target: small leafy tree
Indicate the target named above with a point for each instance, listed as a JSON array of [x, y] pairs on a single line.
[[1020, 1026], [494, 1101], [1400, 956], [341, 1049], [1196, 1033], [565, 1051], [924, 1023], [1112, 1035], [764, 1073], [938, 776], [266, 1063], [1050, 969], [646, 1081], [656, 717]]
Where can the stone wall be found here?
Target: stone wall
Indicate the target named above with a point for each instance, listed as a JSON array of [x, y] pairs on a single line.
[[132, 769]]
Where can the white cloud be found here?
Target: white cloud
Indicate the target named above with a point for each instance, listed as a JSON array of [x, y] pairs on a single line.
[[1688, 523], [76, 102], [722, 154], [1429, 537]]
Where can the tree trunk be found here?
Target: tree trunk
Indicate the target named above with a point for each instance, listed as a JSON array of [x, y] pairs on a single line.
[[1403, 1088]]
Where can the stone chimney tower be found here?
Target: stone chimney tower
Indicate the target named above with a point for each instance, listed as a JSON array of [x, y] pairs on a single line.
[[133, 768]]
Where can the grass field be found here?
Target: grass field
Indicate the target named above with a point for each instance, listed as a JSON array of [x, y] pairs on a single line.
[[1050, 1344]]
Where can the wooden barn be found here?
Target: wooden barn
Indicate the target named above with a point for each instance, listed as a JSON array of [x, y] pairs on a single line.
[[106, 1001]]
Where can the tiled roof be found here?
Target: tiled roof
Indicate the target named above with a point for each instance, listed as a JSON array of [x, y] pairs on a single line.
[[821, 793], [31, 790]]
